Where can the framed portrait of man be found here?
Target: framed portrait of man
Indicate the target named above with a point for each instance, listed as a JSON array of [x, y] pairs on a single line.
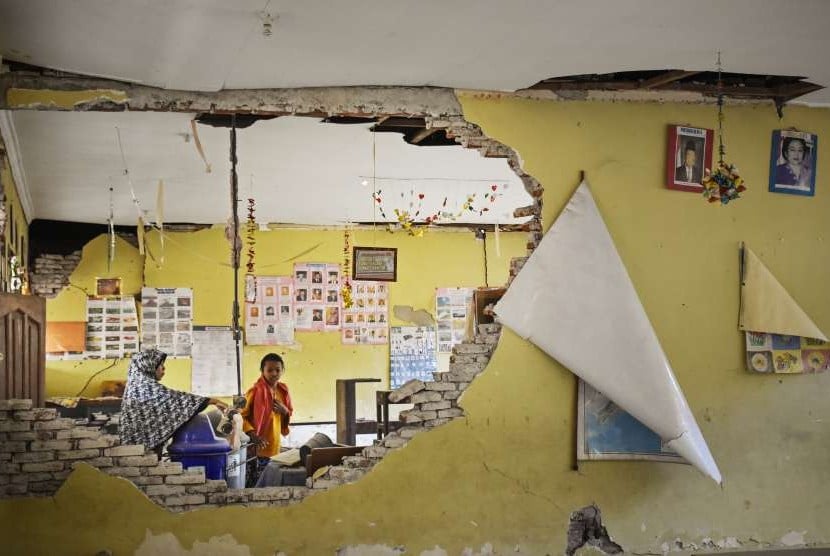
[[689, 154], [792, 167]]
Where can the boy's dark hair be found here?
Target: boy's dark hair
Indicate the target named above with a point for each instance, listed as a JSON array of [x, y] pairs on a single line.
[[270, 357]]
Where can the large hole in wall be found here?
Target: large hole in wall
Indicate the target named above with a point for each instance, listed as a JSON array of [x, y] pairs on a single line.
[[302, 171]]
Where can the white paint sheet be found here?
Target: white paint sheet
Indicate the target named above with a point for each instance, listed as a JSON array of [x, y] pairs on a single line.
[[574, 299]]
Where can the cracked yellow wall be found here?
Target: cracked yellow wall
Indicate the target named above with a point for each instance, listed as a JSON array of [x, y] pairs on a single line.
[[503, 475]]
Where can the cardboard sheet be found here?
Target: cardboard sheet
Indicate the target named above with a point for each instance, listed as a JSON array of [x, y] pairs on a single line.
[[574, 299], [767, 307]]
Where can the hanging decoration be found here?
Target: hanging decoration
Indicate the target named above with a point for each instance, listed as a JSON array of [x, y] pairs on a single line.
[[408, 217], [111, 231], [160, 217], [346, 271], [724, 183], [250, 237]]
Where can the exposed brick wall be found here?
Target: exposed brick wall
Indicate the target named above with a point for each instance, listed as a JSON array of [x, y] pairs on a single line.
[[50, 273], [435, 403], [38, 451]]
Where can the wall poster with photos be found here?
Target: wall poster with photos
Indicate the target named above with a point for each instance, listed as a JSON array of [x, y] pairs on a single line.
[[689, 154], [792, 167], [777, 353], [411, 354], [316, 296], [269, 318], [452, 309], [367, 320], [167, 320], [111, 327]]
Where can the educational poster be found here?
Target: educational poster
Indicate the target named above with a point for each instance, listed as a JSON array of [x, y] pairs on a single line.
[[167, 320], [111, 327], [452, 307], [411, 354], [776, 353], [214, 361], [367, 320], [317, 296], [606, 432], [269, 318]]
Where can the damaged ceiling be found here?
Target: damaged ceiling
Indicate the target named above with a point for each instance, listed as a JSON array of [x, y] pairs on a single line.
[[485, 44], [300, 170]]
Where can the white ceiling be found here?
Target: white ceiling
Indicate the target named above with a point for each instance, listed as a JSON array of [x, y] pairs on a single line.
[[478, 44], [298, 169]]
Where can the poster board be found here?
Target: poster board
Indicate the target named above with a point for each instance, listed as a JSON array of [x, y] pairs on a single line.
[[317, 296], [111, 327], [367, 320], [607, 432], [214, 361], [776, 353], [167, 320], [411, 354], [269, 317], [65, 340], [452, 309]]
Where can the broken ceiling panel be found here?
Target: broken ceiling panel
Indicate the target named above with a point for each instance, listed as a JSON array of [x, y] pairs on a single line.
[[574, 299]]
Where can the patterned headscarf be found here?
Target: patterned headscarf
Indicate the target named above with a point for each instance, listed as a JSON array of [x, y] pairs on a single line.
[[150, 411]]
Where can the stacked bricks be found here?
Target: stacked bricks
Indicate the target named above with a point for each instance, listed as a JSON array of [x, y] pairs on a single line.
[[38, 451], [435, 403], [50, 273], [471, 136]]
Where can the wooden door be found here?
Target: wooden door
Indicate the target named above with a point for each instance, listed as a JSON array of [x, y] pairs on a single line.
[[22, 347]]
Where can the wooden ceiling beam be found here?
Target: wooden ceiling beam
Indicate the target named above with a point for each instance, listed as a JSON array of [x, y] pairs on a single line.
[[666, 78], [423, 134]]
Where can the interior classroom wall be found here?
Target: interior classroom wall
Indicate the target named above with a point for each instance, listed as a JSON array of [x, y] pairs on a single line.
[[504, 474], [16, 236], [201, 260]]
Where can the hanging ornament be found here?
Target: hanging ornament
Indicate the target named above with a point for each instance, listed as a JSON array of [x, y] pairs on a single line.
[[346, 271], [111, 239], [724, 183], [250, 237]]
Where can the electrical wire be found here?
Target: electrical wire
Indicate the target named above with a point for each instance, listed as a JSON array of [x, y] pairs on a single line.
[[89, 380]]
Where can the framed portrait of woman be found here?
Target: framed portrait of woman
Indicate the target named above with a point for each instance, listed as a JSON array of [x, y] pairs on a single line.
[[792, 166], [689, 154]]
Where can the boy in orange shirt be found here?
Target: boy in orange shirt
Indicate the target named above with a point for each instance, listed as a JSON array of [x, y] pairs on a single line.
[[267, 410]]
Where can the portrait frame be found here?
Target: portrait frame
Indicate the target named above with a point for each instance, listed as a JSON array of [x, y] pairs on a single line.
[[375, 263], [107, 287], [779, 172], [679, 137]]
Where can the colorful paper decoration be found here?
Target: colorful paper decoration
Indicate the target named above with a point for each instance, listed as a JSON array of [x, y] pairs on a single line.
[[724, 184], [250, 237], [345, 271]]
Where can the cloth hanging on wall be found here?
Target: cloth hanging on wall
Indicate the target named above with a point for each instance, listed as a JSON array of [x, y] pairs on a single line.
[[574, 299]]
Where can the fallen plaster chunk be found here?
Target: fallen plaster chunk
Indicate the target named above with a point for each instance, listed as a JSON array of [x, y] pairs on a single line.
[[168, 544], [370, 550], [586, 528], [793, 538]]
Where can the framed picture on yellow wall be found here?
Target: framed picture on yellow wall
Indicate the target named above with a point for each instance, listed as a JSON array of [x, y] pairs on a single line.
[[107, 286], [689, 154], [375, 263], [792, 167]]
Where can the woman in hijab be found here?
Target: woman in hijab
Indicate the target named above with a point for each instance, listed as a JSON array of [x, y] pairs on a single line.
[[150, 411]]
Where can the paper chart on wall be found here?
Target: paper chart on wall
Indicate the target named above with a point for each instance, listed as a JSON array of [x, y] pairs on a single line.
[[214, 361], [452, 309], [111, 327], [269, 318], [167, 320], [367, 320], [317, 296], [411, 354]]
